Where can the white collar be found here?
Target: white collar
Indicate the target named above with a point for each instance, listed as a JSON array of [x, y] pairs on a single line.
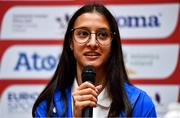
[[103, 99]]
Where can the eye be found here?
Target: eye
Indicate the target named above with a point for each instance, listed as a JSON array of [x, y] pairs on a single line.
[[81, 33], [102, 35]]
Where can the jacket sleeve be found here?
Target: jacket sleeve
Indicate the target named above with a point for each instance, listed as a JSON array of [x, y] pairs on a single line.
[[41, 110], [144, 106]]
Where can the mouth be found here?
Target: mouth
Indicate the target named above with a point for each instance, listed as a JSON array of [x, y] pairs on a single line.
[[92, 54]]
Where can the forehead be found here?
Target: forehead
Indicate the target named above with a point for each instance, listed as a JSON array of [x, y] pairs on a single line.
[[92, 20]]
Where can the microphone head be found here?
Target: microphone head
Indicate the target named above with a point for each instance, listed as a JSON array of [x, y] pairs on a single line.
[[89, 74]]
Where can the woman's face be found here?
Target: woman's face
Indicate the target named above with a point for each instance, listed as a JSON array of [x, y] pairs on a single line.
[[91, 53]]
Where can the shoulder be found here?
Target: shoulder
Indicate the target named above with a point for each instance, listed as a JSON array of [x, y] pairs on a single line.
[[42, 107], [57, 107], [142, 104]]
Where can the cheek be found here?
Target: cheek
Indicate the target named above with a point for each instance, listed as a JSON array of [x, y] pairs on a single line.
[[106, 54], [106, 51], [77, 50], [78, 54]]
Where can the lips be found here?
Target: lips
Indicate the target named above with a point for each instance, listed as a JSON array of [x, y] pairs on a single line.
[[91, 54]]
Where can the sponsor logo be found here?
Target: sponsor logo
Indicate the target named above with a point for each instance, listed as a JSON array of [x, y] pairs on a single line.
[[18, 100], [30, 61], [146, 21], [31, 22], [158, 93], [138, 21], [151, 61], [36, 22], [39, 63]]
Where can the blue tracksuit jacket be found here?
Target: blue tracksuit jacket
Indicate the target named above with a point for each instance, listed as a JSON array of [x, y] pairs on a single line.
[[141, 103]]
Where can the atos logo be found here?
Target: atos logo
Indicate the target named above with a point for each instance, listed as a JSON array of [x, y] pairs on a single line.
[[21, 102], [36, 62]]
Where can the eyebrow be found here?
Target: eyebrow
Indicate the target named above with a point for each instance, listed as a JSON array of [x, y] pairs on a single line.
[[87, 28]]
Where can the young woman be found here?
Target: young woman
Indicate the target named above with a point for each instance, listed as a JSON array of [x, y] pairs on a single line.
[[92, 38]]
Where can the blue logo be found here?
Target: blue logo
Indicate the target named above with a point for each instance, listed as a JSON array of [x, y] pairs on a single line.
[[130, 21], [138, 21], [36, 62]]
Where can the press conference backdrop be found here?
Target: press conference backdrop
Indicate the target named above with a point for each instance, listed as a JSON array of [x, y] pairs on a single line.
[[31, 38]]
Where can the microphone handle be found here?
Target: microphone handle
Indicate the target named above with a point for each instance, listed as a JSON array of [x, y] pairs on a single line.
[[87, 112], [88, 74]]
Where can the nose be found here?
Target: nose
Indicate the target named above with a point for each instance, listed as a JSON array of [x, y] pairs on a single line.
[[92, 40]]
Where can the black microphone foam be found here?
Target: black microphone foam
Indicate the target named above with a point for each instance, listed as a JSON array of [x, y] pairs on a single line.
[[88, 74]]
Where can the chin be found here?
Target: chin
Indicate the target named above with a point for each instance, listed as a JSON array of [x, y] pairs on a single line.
[[92, 64]]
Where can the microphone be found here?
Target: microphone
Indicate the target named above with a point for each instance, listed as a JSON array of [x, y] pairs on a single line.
[[88, 74]]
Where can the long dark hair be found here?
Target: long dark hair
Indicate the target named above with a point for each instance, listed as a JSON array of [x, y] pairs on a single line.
[[116, 76]]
